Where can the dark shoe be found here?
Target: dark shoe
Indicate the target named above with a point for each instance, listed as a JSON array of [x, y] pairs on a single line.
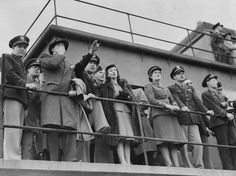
[[105, 130]]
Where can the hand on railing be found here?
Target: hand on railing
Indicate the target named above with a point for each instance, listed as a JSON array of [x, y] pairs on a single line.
[[185, 108], [172, 107], [209, 114], [230, 116], [72, 93], [31, 85], [209, 131]]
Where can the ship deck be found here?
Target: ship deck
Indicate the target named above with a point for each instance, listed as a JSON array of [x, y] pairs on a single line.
[[52, 168]]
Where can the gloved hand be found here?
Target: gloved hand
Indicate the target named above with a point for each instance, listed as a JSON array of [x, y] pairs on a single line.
[[123, 96]]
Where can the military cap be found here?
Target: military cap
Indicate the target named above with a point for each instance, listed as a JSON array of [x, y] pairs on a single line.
[[228, 33], [53, 44], [18, 39], [99, 68], [219, 85], [177, 69], [208, 78], [95, 58], [152, 69], [216, 25], [32, 62], [110, 66]]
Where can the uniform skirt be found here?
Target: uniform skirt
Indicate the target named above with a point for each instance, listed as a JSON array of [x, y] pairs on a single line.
[[166, 126], [124, 119]]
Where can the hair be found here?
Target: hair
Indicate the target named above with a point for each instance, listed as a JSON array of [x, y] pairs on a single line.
[[150, 79], [108, 80]]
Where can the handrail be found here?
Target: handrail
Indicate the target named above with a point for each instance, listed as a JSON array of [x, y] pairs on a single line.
[[146, 18], [39, 36], [142, 138], [141, 35], [101, 98], [115, 135], [131, 31]]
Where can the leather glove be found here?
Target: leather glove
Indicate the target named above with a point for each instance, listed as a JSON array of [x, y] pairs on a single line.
[[123, 96]]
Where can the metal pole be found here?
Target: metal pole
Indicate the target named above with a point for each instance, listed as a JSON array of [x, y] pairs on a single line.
[[1, 105], [142, 135], [101, 98], [37, 17], [55, 11], [116, 135], [130, 28]]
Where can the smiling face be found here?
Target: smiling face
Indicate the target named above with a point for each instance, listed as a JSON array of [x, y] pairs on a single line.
[[20, 49]]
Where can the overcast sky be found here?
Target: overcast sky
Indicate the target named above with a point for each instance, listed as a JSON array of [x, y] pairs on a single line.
[[17, 15]]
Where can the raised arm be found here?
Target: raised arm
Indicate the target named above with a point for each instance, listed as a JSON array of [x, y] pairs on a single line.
[[51, 61], [81, 65]]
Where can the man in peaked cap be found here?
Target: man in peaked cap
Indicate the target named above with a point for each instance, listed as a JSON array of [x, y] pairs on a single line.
[[85, 70], [219, 49], [222, 123], [20, 39], [176, 70], [187, 100], [58, 111], [57, 43], [31, 138], [15, 100], [217, 25]]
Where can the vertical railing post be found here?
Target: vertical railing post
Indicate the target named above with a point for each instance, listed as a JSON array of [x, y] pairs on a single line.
[[130, 28], [55, 11], [1, 104], [190, 42], [142, 134]]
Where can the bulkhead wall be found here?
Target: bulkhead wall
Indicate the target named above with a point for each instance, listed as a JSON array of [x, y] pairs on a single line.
[[134, 60]]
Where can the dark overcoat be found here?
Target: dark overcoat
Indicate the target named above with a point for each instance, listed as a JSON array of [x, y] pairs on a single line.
[[186, 96], [34, 108], [212, 101], [15, 75], [91, 85], [146, 145], [57, 110], [107, 91]]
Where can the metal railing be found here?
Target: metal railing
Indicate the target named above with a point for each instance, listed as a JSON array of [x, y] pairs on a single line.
[[131, 30], [141, 138]]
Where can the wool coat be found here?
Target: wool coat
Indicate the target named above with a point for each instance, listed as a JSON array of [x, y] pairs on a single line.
[[15, 75], [107, 91], [212, 101], [146, 145], [91, 85], [57, 110]]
